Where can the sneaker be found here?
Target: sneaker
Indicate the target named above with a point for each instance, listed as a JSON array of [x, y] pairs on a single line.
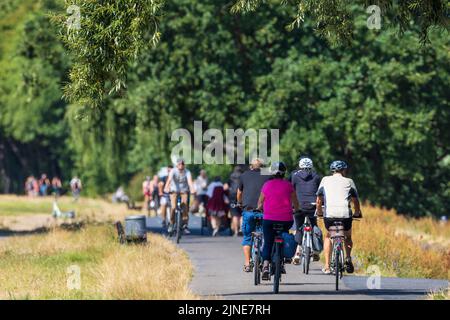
[[326, 271], [186, 230], [248, 268], [297, 259], [170, 229], [349, 265], [265, 274], [287, 260]]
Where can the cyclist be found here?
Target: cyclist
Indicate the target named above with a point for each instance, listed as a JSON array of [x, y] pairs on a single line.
[[179, 181], [164, 196], [250, 184], [231, 187], [147, 191], [338, 191], [276, 199], [306, 183]]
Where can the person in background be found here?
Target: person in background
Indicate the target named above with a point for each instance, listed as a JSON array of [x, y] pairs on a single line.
[[217, 204], [56, 186], [146, 191], [164, 197], [201, 186], [250, 184], [76, 187], [31, 186], [231, 188], [44, 183], [154, 194]]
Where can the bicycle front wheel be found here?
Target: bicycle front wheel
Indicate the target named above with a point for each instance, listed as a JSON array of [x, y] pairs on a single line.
[[277, 267], [179, 225]]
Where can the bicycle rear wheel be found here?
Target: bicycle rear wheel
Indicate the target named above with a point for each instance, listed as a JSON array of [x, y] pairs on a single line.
[[337, 266], [306, 260], [257, 262], [179, 225], [277, 269]]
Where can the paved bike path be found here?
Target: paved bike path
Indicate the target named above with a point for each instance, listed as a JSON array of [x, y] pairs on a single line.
[[218, 273]]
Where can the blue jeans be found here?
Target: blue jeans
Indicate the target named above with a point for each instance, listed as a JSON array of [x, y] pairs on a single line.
[[248, 226], [269, 236]]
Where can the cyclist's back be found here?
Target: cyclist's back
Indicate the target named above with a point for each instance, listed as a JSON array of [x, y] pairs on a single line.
[[337, 192], [306, 184]]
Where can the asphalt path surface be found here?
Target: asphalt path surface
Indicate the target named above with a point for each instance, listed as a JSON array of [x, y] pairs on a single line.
[[218, 263]]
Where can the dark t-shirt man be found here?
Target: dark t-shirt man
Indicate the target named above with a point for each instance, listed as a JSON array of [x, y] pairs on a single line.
[[250, 184]]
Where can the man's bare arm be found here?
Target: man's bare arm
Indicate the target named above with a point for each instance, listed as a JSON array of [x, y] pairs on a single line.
[[319, 202], [260, 201], [357, 207], [239, 196]]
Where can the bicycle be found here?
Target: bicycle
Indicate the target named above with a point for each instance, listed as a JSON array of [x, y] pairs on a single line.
[[257, 241], [277, 257], [337, 257]]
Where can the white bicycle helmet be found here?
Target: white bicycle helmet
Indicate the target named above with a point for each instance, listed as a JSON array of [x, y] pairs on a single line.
[[305, 163]]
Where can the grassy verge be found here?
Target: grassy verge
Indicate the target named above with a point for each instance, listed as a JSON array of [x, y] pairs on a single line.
[[440, 295], [36, 267], [421, 252]]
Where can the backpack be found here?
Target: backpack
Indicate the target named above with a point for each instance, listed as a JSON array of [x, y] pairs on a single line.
[[289, 245]]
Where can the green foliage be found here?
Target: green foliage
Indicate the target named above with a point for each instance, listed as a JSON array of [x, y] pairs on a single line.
[[111, 33], [380, 103], [334, 20]]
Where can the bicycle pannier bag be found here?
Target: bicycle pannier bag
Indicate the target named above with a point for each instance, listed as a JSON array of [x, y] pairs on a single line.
[[289, 246]]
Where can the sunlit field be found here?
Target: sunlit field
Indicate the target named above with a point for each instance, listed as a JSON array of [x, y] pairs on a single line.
[[402, 247]]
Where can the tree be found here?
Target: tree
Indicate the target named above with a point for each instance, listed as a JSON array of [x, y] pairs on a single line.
[[114, 32]]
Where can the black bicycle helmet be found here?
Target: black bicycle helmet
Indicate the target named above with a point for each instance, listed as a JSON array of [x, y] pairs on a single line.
[[338, 165], [278, 168]]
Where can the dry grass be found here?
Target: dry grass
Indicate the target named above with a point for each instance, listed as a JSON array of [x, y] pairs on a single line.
[[35, 267], [421, 252], [440, 295]]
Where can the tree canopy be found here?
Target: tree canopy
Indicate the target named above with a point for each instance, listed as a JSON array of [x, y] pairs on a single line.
[[113, 33]]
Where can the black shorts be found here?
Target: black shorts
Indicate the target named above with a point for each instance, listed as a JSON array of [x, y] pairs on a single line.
[[300, 218], [346, 222]]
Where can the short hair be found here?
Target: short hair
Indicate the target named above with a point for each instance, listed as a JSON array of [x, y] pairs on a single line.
[[256, 163]]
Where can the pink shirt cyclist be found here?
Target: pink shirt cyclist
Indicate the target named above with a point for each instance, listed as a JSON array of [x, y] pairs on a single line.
[[277, 199]]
